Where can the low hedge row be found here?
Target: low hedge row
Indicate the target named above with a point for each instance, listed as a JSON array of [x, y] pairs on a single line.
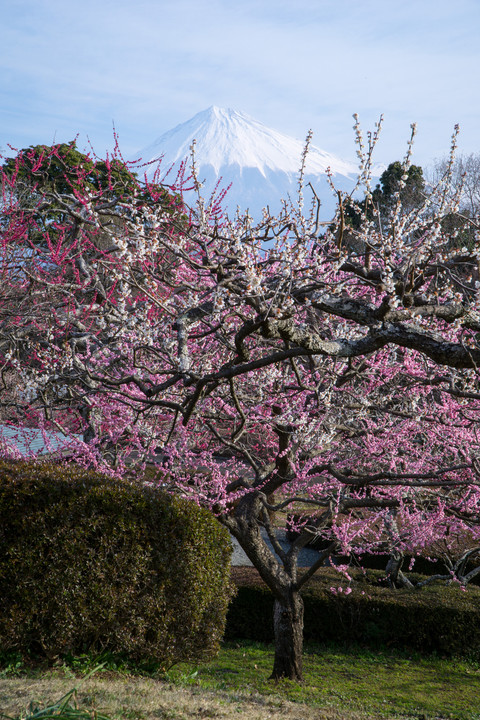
[[436, 618]]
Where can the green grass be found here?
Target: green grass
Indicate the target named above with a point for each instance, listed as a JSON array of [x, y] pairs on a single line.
[[382, 683], [375, 684]]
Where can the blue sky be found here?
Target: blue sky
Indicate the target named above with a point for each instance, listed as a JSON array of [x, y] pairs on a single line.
[[70, 66]]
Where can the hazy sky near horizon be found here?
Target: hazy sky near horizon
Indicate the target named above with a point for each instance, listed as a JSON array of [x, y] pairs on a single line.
[[80, 67]]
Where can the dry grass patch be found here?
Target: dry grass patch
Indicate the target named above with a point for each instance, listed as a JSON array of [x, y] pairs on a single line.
[[148, 699]]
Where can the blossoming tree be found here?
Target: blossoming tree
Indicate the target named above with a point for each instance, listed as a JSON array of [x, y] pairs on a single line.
[[330, 372]]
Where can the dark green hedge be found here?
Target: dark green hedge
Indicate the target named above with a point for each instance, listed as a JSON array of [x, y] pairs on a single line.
[[436, 618], [94, 563]]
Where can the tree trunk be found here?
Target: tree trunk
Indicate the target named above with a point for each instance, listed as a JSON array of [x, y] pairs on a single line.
[[288, 628], [394, 567]]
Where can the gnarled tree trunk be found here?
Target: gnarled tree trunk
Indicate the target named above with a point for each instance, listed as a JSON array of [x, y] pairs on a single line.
[[280, 577], [288, 628]]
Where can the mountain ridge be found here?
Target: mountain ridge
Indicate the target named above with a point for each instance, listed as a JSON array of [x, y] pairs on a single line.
[[261, 165]]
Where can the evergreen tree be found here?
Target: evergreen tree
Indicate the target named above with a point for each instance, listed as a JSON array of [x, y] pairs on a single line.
[[395, 182]]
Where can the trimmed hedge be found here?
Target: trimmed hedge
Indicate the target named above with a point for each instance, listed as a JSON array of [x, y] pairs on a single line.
[[89, 562], [436, 618]]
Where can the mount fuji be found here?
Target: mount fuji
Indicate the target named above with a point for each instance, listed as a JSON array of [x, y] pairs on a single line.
[[260, 165]]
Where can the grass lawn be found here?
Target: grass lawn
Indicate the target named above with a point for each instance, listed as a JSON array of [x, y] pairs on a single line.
[[339, 684]]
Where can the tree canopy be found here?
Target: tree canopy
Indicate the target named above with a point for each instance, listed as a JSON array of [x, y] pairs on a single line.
[[397, 186], [54, 174], [409, 185]]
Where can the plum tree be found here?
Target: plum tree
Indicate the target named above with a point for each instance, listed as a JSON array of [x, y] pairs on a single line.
[[271, 366]]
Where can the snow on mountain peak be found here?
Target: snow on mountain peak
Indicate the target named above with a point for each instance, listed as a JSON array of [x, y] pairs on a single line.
[[260, 165], [226, 137]]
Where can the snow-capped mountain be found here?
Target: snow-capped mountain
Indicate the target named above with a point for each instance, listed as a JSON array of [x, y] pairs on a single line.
[[261, 165]]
